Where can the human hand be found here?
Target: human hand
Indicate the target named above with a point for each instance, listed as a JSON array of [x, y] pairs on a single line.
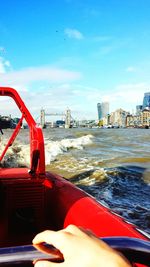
[[79, 249]]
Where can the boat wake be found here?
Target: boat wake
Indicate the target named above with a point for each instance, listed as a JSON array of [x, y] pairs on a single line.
[[18, 155], [55, 148], [125, 191]]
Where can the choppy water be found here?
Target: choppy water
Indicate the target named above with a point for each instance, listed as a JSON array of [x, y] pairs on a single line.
[[111, 164]]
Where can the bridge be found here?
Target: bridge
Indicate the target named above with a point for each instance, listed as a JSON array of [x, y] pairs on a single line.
[[66, 115]]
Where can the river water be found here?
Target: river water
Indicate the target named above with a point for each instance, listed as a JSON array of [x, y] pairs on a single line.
[[113, 165]]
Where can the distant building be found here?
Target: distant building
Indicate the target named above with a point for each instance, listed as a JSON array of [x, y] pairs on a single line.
[[118, 118], [130, 120], [134, 121], [139, 109], [146, 118], [139, 121], [146, 100], [103, 110]]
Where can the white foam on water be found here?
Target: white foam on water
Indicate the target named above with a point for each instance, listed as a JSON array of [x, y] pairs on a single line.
[[19, 154], [91, 179], [55, 148], [146, 176]]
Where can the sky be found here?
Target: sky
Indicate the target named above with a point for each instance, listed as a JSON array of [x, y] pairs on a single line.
[[75, 53]]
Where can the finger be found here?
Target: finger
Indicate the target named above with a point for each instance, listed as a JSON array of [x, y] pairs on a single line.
[[82, 232], [55, 254], [78, 230], [57, 239], [48, 236], [73, 229]]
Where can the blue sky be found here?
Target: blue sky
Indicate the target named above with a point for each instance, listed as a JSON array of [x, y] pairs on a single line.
[[76, 53]]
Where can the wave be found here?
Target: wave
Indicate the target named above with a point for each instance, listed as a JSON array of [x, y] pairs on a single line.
[[89, 177], [18, 155], [146, 176], [55, 148]]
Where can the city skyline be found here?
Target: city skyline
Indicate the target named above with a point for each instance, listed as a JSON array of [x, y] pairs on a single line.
[[120, 118], [103, 107], [74, 54]]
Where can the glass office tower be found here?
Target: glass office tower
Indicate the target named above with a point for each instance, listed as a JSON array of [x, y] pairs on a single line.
[[103, 110], [139, 109], [146, 100]]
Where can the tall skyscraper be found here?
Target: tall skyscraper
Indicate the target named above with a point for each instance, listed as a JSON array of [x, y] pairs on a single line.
[[139, 109], [146, 100], [99, 109], [103, 110]]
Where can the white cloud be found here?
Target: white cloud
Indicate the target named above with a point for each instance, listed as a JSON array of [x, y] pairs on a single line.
[[80, 99], [73, 33], [38, 86], [4, 65], [7, 63], [34, 74], [55, 89], [131, 69], [126, 96]]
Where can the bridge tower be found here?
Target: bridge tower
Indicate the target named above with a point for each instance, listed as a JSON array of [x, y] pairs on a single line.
[[68, 118], [42, 118]]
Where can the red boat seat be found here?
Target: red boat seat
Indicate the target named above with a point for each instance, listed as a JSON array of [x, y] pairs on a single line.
[[22, 209]]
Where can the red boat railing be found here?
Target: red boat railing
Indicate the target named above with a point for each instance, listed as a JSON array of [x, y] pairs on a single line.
[[37, 153]]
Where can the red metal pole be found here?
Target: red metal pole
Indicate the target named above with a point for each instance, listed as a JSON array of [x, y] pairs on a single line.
[[36, 135]]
